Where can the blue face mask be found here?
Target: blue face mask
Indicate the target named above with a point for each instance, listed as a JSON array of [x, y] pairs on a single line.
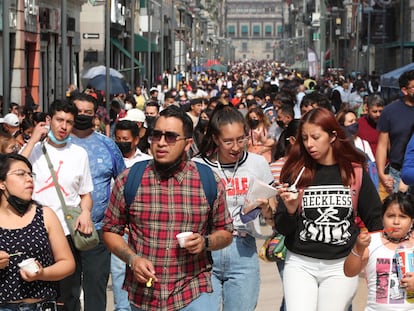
[[363, 94], [54, 140]]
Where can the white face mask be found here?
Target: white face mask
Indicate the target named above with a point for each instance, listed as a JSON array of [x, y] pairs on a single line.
[[128, 106], [238, 94]]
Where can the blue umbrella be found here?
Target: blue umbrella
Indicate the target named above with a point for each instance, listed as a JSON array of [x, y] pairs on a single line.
[[116, 85]]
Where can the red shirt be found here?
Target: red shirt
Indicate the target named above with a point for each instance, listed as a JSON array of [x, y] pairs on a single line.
[[161, 209], [367, 130]]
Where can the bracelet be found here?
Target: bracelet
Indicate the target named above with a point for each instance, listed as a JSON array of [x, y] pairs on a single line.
[[355, 254]]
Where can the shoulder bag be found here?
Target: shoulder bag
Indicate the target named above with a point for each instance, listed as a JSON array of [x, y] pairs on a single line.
[[82, 242]]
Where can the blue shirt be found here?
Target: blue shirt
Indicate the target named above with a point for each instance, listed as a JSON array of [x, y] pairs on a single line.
[[106, 162]]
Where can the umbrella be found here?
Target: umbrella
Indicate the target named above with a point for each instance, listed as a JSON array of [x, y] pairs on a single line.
[[218, 68], [116, 85], [101, 70], [211, 62]]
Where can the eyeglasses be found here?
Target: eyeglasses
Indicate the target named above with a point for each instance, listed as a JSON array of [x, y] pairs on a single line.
[[170, 137], [239, 141], [22, 173]]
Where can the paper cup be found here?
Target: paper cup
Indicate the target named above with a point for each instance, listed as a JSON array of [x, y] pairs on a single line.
[[181, 237], [29, 265]]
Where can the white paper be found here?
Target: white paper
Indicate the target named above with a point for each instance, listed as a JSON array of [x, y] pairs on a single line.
[[257, 190]]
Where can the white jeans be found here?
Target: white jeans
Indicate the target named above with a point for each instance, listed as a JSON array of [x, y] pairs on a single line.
[[317, 284]]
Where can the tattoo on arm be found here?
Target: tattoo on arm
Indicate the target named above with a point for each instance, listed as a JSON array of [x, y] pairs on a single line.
[[123, 252]]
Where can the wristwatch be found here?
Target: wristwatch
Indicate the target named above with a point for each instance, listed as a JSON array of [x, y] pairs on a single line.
[[206, 241]]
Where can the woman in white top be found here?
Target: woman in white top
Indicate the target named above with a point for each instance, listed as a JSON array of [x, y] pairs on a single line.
[[235, 277]]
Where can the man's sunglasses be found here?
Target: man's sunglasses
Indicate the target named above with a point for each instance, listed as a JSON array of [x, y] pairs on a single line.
[[170, 137]]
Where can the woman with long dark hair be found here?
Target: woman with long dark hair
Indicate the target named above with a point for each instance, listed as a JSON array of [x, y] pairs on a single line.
[[319, 221], [236, 278]]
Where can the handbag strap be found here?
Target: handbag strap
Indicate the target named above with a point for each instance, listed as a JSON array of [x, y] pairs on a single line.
[[55, 180]]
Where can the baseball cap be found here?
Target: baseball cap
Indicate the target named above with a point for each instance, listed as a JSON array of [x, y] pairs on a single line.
[[10, 119], [135, 115], [153, 89]]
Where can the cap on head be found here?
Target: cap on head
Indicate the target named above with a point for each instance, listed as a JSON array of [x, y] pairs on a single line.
[[10, 119]]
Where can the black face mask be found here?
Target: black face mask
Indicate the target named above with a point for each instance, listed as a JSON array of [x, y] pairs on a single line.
[[20, 205], [124, 146], [166, 170], [26, 137], [280, 123], [83, 122], [253, 123], [352, 129], [150, 121]]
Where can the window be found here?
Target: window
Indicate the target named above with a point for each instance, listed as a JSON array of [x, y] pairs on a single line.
[[279, 29], [231, 30], [244, 30], [268, 45], [256, 30], [268, 30], [244, 46]]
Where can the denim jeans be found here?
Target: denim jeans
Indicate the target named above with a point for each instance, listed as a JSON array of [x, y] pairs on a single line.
[[202, 303], [397, 177], [118, 267], [92, 273], [236, 277], [317, 284]]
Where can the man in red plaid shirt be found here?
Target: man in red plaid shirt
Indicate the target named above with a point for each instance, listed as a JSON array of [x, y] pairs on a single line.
[[170, 199]]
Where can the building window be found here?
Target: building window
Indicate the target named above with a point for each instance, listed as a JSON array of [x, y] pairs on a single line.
[[268, 46], [279, 29], [256, 30], [244, 46], [231, 30], [268, 30], [244, 30]]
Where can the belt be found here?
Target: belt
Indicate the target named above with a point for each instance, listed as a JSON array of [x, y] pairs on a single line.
[[396, 166], [241, 234], [41, 305]]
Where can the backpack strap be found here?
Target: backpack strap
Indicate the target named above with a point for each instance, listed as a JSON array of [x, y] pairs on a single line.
[[132, 183], [208, 181], [355, 188]]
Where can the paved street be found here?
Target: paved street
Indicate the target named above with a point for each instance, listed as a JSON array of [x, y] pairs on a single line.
[[271, 289]]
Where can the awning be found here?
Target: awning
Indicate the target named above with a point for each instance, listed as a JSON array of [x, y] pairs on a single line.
[[119, 46], [141, 44]]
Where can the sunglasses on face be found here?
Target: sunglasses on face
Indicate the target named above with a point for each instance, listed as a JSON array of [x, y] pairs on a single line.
[[170, 137]]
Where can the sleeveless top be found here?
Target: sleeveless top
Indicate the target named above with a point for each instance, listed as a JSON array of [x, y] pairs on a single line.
[[384, 291], [33, 240]]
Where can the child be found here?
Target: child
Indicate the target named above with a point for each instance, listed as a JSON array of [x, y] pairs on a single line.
[[376, 253]]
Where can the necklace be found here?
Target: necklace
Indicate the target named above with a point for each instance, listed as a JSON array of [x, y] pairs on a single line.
[[229, 181], [395, 240]]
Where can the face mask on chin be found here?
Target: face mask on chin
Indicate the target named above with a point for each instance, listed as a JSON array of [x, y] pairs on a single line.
[[166, 170], [55, 141], [20, 205]]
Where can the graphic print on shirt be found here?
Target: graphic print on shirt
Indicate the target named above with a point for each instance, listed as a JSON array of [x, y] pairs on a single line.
[[388, 290], [51, 183], [327, 214], [236, 194]]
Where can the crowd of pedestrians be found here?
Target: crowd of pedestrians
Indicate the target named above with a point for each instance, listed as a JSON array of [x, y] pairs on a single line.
[[181, 159]]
